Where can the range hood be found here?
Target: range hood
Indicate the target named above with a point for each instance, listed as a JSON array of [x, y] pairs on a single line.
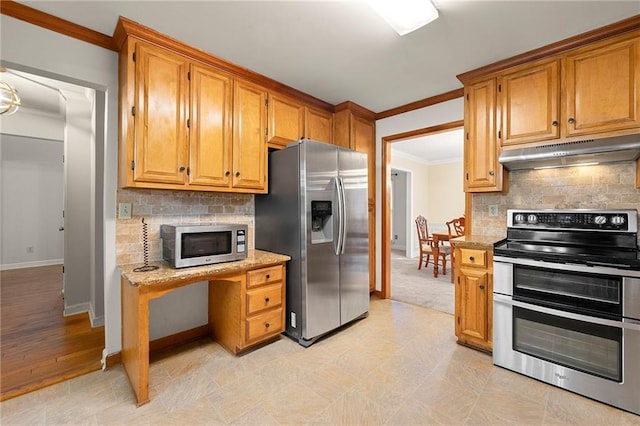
[[592, 151]]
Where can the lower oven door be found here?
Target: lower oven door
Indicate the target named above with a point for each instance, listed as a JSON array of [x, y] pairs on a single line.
[[591, 356]]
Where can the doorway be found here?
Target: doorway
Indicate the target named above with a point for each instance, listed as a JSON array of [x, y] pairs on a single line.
[[52, 318], [417, 207]]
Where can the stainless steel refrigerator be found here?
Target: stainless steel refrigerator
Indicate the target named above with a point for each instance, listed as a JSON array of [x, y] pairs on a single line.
[[316, 212]]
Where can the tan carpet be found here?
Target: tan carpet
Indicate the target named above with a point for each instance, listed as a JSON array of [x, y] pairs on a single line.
[[419, 287]]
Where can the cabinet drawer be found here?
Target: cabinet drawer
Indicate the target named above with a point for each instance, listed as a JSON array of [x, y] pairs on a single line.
[[264, 276], [471, 257], [264, 298], [264, 325]]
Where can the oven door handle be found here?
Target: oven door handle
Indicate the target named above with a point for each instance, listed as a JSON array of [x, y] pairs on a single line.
[[626, 323], [620, 272]]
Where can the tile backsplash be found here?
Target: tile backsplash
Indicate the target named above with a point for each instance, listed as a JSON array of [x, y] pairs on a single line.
[[159, 207], [610, 186]]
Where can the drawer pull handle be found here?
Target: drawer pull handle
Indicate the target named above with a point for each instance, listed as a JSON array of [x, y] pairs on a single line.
[[268, 276], [266, 324], [266, 299], [471, 258]]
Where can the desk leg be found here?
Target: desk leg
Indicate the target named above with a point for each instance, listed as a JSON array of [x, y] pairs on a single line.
[[135, 338]]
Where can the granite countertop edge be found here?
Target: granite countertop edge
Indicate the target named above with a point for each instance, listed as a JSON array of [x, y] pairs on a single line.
[[165, 273], [477, 241]]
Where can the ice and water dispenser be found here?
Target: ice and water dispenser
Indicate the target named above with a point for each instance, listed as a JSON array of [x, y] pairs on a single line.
[[321, 221]]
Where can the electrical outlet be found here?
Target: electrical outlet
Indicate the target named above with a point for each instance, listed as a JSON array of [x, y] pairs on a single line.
[[493, 210], [30, 249], [395, 237], [124, 210]]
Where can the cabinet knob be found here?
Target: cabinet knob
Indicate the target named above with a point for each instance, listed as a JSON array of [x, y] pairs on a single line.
[[481, 287], [491, 173], [268, 276], [554, 123], [572, 120], [471, 258], [266, 299], [182, 168], [227, 173], [237, 174], [266, 324]]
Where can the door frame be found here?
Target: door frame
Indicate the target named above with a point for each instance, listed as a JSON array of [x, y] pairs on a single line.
[[385, 291]]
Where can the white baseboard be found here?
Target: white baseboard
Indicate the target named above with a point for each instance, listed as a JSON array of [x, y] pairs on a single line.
[[34, 264], [95, 321], [76, 309]]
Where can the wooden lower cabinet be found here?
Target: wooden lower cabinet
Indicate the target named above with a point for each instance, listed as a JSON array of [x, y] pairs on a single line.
[[474, 297], [245, 315]]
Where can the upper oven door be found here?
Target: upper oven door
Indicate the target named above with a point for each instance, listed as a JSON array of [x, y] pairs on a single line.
[[591, 290]]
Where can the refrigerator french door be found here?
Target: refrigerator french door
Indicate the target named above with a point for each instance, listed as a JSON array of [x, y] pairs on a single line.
[[316, 212]]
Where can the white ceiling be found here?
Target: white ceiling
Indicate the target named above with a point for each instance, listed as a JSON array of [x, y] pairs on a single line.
[[342, 50], [440, 148]]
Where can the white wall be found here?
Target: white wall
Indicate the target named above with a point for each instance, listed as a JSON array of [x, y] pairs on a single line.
[[32, 184], [399, 205], [444, 112], [78, 250], [33, 49]]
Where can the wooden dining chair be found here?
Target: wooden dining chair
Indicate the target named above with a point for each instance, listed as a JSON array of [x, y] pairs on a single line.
[[456, 228], [427, 244]]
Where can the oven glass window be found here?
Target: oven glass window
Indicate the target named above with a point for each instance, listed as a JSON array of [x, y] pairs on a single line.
[[592, 348], [589, 294], [205, 244], [601, 288]]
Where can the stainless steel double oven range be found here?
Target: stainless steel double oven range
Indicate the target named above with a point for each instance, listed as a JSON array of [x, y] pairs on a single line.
[[566, 306]]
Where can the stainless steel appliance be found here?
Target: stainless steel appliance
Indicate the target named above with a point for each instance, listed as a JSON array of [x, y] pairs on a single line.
[[316, 212], [195, 245], [567, 301]]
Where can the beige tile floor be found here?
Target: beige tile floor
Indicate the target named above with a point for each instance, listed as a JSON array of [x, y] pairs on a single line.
[[399, 366]]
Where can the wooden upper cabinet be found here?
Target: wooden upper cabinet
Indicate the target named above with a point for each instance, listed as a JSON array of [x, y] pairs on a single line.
[[318, 125], [210, 127], [160, 136], [529, 100], [603, 87], [481, 167], [249, 137], [286, 120]]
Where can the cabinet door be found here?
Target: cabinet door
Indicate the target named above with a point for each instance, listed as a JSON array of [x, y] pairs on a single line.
[[472, 299], [160, 118], [210, 128], [603, 88], [530, 99], [363, 140], [318, 125], [249, 136], [482, 170], [286, 120]]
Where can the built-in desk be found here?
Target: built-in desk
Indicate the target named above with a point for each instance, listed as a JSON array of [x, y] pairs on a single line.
[[246, 306]]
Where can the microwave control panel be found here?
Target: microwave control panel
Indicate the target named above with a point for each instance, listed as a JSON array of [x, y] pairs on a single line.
[[241, 240]]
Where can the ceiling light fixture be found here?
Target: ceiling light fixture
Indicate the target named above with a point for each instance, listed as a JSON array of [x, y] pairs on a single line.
[[405, 16], [9, 99]]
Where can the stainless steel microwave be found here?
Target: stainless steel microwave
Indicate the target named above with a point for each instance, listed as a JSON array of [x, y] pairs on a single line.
[[195, 245]]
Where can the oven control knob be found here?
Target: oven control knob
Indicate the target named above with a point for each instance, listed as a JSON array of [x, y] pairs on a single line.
[[519, 218], [532, 218], [600, 220], [617, 220]]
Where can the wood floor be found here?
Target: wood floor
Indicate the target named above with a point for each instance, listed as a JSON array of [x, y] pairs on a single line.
[[38, 346]]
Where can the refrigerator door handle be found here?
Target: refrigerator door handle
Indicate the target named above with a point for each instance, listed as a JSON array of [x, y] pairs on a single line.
[[343, 214], [340, 216]]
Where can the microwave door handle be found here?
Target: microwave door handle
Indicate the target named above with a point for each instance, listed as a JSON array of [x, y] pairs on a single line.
[[338, 212], [343, 215]]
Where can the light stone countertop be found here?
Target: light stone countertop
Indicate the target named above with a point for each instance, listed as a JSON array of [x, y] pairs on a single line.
[[166, 274], [476, 241]]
